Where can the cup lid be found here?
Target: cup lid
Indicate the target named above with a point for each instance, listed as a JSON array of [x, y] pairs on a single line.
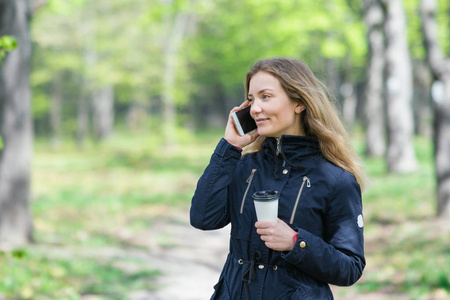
[[268, 195]]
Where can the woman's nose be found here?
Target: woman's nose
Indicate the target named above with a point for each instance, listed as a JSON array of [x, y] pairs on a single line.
[[256, 108]]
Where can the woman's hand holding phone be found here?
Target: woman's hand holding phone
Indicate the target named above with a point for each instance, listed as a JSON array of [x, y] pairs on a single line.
[[231, 133]]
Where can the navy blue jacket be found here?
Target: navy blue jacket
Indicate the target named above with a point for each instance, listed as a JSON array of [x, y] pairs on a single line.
[[330, 245]]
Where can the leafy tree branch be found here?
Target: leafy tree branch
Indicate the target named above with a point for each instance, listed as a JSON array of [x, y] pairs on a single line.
[[7, 43]]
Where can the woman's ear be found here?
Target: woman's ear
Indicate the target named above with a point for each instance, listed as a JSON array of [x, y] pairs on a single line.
[[299, 108]]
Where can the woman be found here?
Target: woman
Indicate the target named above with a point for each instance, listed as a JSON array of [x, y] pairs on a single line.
[[302, 150]]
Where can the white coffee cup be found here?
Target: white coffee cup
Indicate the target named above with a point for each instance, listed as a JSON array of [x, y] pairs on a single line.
[[266, 205]]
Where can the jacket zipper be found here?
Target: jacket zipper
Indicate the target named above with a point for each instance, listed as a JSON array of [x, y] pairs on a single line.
[[278, 151], [308, 184], [278, 146], [249, 182]]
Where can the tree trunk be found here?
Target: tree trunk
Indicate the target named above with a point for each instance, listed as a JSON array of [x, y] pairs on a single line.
[[89, 32], [442, 155], [440, 67], [55, 111], [177, 29], [103, 110], [374, 108], [422, 105], [333, 81], [350, 103], [15, 127], [82, 118], [400, 153]]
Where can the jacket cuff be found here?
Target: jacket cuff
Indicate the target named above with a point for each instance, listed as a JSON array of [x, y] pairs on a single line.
[[224, 146], [301, 248]]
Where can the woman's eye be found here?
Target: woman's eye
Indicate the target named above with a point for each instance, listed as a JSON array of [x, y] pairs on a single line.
[[265, 96], [250, 100]]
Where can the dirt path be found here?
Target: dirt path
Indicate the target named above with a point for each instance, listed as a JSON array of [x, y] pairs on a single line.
[[190, 260]]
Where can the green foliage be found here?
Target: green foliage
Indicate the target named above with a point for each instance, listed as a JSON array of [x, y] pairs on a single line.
[[7, 43], [64, 8], [234, 34], [414, 23], [41, 105], [443, 19], [414, 27], [122, 44], [41, 273]]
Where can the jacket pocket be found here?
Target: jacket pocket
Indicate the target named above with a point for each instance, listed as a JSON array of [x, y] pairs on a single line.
[[299, 194], [221, 291], [249, 182], [297, 294]]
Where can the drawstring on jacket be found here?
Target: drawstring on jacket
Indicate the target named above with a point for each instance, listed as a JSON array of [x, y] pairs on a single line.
[[249, 273]]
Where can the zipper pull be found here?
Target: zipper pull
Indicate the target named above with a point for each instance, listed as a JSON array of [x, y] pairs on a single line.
[[249, 182], [308, 182], [251, 176]]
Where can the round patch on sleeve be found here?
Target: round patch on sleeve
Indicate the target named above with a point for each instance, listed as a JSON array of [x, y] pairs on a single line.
[[360, 221]]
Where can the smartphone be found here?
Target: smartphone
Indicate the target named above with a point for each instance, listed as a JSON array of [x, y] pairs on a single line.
[[244, 121]]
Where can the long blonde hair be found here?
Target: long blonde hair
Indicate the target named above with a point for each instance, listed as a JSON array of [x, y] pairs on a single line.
[[320, 118]]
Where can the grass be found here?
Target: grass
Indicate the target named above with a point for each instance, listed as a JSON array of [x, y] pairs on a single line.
[[38, 275], [90, 205]]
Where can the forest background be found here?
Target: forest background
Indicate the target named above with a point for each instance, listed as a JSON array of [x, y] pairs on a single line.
[[110, 110]]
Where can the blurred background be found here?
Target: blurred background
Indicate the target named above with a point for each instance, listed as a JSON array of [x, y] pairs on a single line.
[[110, 110]]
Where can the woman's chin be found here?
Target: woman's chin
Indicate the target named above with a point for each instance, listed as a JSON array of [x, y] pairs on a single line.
[[267, 135]]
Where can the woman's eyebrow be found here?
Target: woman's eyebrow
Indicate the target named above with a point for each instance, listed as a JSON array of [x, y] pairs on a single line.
[[261, 91]]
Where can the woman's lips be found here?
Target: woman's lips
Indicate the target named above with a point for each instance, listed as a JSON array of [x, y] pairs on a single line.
[[261, 120]]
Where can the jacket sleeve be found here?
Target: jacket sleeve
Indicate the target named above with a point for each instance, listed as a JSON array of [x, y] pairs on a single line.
[[338, 258], [209, 206]]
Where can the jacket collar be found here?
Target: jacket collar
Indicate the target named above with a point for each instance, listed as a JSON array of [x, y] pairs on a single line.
[[292, 147]]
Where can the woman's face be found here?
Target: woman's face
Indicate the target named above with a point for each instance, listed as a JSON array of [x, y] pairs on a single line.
[[274, 112]]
